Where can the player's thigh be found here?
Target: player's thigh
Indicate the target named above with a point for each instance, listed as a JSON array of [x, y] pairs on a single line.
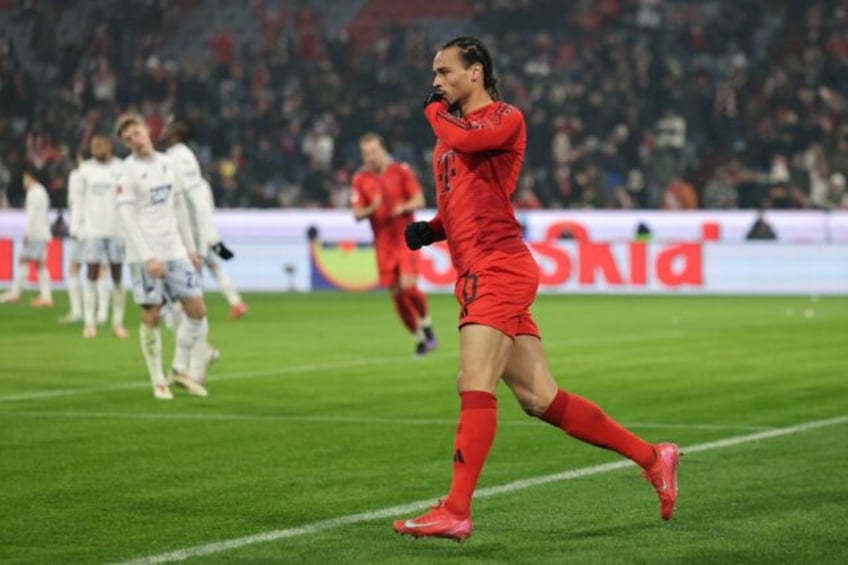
[[150, 314], [194, 307], [483, 355], [528, 375], [388, 274], [407, 269]]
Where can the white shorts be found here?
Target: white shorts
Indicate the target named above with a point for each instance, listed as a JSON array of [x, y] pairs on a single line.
[[180, 281], [77, 251], [35, 251], [104, 250]]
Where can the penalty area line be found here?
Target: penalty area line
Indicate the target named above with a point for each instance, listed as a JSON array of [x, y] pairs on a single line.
[[393, 511]]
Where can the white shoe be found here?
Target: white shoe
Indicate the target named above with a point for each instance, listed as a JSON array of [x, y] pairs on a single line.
[[89, 332], [212, 354], [9, 297], [162, 392], [191, 386], [69, 319]]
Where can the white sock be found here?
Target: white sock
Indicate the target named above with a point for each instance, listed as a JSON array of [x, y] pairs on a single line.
[[20, 275], [227, 287], [199, 356], [44, 284], [118, 303], [75, 297], [191, 343], [89, 302], [183, 346], [151, 348], [103, 299], [425, 322], [172, 315]]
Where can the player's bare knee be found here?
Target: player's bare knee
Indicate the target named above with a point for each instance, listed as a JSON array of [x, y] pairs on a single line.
[[194, 308], [150, 316], [532, 404]]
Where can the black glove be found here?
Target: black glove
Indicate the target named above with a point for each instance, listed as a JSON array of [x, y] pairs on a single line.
[[434, 96], [418, 234], [222, 251]]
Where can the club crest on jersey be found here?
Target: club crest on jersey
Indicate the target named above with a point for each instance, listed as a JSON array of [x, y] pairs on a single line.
[[159, 194]]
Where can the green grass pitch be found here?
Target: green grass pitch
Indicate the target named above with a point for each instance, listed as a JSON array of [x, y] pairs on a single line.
[[319, 420]]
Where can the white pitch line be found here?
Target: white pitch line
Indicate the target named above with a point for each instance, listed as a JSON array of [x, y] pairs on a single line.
[[332, 523], [204, 417], [330, 366]]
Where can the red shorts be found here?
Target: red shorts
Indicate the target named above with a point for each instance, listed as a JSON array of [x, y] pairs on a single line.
[[498, 292], [405, 262]]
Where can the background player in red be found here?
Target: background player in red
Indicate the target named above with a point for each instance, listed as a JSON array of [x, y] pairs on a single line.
[[387, 193], [477, 159]]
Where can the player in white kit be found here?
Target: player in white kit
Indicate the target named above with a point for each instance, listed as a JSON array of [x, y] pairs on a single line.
[[176, 134], [75, 258], [100, 230], [161, 255], [36, 237]]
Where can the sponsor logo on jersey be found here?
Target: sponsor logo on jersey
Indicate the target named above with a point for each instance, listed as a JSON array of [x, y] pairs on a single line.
[[159, 194]]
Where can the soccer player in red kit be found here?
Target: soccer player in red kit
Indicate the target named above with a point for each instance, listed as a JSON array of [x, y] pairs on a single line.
[[478, 155], [387, 193]]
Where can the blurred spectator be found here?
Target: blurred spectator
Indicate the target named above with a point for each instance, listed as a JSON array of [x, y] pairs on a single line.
[[623, 99], [720, 192], [837, 194], [679, 195]]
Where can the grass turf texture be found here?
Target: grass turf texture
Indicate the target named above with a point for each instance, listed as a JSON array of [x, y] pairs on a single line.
[[317, 410]]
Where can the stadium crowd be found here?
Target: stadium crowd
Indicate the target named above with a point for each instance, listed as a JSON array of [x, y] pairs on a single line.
[[629, 103]]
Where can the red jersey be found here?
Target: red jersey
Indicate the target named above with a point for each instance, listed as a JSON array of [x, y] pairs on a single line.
[[396, 184], [476, 163]]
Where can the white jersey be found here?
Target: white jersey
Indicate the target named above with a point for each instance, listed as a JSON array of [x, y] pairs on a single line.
[[199, 194], [74, 201], [37, 206], [150, 187], [97, 206]]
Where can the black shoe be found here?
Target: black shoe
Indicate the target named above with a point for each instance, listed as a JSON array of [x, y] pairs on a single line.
[[430, 338], [421, 349]]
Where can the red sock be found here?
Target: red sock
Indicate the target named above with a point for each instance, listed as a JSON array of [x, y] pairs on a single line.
[[405, 311], [584, 420], [418, 300], [478, 419]]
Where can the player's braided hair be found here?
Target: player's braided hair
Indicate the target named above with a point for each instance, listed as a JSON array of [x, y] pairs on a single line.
[[181, 130], [472, 50]]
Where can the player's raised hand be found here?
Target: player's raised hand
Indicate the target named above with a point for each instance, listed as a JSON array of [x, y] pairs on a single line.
[[155, 268], [222, 251], [418, 234], [434, 97]]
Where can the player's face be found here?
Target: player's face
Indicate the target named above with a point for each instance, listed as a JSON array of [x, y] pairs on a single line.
[[373, 155], [452, 78], [101, 148], [137, 138]]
